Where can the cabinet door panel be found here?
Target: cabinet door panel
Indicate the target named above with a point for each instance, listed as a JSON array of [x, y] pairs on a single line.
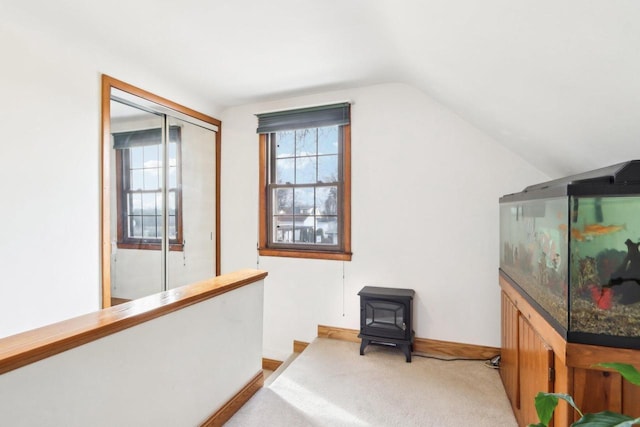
[[535, 361], [509, 351]]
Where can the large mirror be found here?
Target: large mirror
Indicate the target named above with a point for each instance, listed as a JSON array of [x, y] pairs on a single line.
[[160, 183]]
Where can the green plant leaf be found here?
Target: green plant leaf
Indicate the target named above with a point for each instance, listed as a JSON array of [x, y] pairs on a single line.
[[629, 423], [546, 403], [629, 372], [605, 419]]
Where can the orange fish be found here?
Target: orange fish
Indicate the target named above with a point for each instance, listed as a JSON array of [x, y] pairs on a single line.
[[577, 235], [599, 230], [592, 230]]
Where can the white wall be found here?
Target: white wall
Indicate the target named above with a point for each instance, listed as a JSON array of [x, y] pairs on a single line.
[[50, 173], [425, 190], [175, 370], [425, 216]]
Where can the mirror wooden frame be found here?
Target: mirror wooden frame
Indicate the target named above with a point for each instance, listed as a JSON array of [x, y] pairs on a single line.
[[107, 84]]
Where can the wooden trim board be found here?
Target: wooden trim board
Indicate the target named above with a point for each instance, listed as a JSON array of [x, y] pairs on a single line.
[[271, 364], [447, 348], [420, 345], [225, 413], [338, 333], [585, 356], [299, 346]]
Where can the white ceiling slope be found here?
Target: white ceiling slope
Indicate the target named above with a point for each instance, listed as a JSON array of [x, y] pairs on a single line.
[[557, 82]]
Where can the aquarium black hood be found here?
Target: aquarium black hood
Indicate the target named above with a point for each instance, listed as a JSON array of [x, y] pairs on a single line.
[[622, 178]]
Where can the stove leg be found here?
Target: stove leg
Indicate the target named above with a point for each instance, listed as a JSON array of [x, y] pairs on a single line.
[[364, 343], [407, 352]]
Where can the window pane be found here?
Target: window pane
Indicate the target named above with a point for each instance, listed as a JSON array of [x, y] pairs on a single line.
[[135, 204], [306, 142], [171, 203], [172, 227], [327, 230], [328, 168], [305, 170], [159, 226], [328, 140], [136, 180], [283, 201], [151, 156], [285, 142], [304, 201], [158, 203], [285, 171], [283, 229], [327, 200], [151, 179], [135, 226], [135, 157], [149, 204], [173, 177], [149, 226], [303, 231]]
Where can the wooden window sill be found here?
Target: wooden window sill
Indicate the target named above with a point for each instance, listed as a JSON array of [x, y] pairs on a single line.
[[177, 247], [289, 253]]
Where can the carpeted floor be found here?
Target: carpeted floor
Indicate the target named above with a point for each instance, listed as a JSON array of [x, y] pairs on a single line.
[[330, 384]]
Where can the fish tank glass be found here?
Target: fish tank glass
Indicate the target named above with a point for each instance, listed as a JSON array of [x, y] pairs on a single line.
[[571, 247], [534, 252]]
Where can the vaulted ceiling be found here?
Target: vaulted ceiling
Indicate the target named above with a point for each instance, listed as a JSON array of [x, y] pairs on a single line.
[[557, 82]]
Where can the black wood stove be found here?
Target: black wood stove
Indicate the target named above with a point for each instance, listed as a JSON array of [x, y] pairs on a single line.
[[386, 318]]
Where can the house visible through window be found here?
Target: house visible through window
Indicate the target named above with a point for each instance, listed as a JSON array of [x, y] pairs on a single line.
[[139, 182], [305, 183]]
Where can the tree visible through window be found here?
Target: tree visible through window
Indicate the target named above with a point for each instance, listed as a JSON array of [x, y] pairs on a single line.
[[305, 196], [139, 189]]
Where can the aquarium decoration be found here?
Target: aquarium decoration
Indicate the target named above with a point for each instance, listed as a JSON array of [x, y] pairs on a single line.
[[572, 247]]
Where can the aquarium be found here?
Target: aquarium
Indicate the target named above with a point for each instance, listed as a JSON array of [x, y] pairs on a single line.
[[571, 247]]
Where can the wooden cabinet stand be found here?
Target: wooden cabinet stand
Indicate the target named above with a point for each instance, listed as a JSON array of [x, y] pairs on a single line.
[[535, 357]]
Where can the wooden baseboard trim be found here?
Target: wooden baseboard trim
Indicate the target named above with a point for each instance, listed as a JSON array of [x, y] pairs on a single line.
[[338, 333], [454, 349], [271, 364], [420, 345], [223, 414], [299, 346]]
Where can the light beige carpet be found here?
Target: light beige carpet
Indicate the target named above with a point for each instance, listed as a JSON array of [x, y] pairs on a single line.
[[330, 384]]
